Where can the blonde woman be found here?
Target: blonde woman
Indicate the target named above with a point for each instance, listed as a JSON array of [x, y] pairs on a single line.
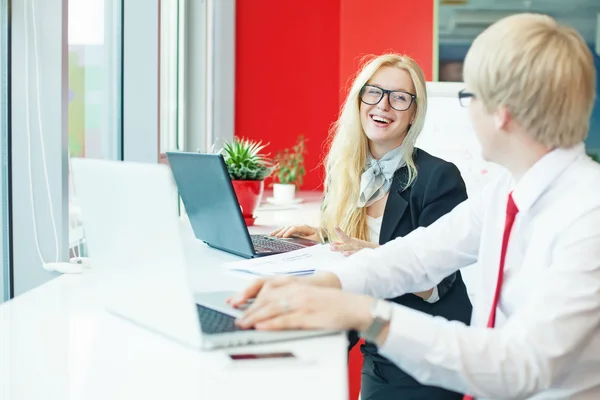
[[380, 187]]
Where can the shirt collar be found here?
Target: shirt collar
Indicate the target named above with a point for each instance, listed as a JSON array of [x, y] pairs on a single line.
[[541, 175]]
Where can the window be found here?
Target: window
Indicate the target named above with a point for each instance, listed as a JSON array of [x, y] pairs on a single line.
[[172, 92], [4, 155], [95, 96]]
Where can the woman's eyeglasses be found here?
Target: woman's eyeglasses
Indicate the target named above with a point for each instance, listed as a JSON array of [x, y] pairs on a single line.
[[397, 99]]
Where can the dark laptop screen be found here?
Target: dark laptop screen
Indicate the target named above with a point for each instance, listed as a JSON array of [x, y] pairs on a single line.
[[210, 201]]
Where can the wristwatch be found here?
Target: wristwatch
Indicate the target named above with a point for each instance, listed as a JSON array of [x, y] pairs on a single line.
[[381, 312]]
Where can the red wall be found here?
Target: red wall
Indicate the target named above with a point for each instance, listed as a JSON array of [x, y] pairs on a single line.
[[287, 75], [378, 26], [293, 64]]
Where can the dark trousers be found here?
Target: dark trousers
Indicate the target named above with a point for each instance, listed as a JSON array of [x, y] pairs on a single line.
[[383, 381]]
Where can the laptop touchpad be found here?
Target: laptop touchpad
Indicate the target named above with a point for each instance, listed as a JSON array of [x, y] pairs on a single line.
[[216, 301]]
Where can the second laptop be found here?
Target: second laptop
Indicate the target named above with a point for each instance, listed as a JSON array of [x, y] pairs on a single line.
[[213, 209]]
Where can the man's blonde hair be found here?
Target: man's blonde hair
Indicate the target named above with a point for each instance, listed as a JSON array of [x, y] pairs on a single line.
[[349, 146], [541, 71]]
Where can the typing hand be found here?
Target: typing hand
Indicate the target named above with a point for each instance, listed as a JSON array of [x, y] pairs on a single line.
[[323, 279], [348, 246], [300, 306], [252, 291], [304, 231]]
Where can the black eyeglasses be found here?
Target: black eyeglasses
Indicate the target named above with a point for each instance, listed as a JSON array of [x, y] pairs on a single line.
[[465, 97], [397, 99]]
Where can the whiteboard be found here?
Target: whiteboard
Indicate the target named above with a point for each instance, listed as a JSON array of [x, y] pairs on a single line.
[[448, 134]]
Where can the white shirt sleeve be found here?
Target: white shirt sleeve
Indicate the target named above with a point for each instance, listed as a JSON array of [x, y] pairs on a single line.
[[537, 344], [418, 261]]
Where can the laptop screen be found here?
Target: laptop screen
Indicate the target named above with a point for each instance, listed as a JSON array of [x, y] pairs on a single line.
[[210, 201]]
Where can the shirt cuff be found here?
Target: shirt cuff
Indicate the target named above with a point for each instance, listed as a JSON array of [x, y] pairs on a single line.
[[411, 335], [434, 297]]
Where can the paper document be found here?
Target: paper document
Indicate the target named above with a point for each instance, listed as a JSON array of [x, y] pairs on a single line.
[[298, 262]]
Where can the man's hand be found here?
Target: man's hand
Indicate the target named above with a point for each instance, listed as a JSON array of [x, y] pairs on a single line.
[[300, 306], [323, 279], [348, 246]]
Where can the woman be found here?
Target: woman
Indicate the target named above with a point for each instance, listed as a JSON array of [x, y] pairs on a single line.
[[379, 187]]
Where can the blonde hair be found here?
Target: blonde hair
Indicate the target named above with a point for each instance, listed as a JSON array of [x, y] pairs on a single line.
[[541, 71], [349, 146]]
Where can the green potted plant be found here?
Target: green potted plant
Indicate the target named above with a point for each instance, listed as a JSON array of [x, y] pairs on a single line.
[[289, 172], [248, 168]]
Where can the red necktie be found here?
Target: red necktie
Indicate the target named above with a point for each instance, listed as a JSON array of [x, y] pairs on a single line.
[[511, 212]]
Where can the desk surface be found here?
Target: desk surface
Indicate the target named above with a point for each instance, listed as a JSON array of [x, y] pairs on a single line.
[[56, 342]]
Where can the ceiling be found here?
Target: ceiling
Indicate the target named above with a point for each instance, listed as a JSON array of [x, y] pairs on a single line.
[[460, 24]]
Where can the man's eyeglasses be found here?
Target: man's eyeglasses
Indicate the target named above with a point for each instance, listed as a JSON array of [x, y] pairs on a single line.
[[397, 99], [465, 97]]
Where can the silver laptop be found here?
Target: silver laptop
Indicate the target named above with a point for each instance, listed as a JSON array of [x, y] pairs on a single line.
[[132, 228]]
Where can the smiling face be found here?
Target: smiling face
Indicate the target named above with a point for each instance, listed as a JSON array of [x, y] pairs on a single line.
[[384, 126]]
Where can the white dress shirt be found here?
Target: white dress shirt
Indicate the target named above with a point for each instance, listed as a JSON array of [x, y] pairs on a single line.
[[374, 225], [546, 344]]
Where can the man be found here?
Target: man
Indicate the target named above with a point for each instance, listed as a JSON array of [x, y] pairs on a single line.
[[535, 235]]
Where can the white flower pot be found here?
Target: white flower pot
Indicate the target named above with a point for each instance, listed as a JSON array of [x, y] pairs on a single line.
[[284, 193]]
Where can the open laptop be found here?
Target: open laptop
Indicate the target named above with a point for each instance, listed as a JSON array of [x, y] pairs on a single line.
[[132, 229], [214, 212]]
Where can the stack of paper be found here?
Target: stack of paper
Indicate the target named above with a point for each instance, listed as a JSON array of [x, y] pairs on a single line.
[[298, 262]]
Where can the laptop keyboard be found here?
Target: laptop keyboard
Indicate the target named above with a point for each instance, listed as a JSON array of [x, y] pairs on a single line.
[[263, 244], [212, 321]]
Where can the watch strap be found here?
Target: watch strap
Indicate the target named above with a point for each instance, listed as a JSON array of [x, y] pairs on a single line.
[[381, 311]]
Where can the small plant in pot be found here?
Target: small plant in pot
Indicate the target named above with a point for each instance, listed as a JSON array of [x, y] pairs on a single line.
[[248, 168], [289, 172]]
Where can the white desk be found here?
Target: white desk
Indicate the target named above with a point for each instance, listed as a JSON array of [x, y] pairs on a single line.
[[57, 343]]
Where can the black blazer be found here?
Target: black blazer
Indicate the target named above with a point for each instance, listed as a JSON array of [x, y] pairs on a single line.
[[438, 188]]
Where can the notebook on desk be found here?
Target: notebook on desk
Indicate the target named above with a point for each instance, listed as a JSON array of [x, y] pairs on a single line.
[[134, 241], [213, 209]]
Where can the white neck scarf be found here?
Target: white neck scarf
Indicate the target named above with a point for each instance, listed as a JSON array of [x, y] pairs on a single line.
[[376, 180]]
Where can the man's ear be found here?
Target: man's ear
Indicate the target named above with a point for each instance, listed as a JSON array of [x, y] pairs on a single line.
[[501, 118]]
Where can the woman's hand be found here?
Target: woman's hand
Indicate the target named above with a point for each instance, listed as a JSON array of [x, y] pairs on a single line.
[[348, 246], [296, 305], [304, 231]]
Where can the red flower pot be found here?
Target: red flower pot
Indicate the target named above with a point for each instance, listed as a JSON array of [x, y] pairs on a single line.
[[248, 194]]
